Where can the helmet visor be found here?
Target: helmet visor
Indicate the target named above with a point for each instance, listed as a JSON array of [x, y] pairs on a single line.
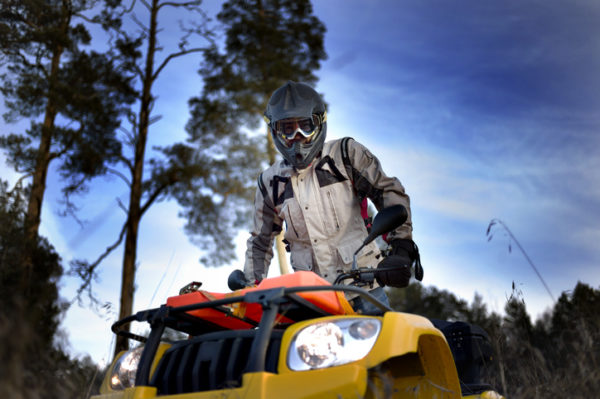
[[287, 129]]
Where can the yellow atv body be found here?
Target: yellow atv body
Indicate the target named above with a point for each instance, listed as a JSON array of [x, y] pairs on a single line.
[[284, 339]]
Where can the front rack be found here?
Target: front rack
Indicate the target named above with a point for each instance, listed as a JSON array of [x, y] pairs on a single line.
[[271, 300]]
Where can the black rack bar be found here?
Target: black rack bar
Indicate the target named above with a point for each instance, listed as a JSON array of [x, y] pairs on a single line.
[[269, 299]]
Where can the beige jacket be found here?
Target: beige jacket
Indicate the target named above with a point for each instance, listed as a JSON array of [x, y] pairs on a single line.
[[320, 206]]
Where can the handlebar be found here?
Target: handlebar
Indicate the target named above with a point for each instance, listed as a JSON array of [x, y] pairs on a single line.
[[361, 276]]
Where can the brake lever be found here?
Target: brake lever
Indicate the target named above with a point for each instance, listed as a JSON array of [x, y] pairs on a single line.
[[360, 276]]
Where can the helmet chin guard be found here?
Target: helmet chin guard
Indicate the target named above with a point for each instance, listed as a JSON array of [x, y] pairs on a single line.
[[300, 155], [297, 100]]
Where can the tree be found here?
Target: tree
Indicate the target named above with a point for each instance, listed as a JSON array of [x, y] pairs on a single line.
[[145, 68], [73, 97], [267, 43], [429, 302], [33, 363]]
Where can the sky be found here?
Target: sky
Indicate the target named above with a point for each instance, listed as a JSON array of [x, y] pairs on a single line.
[[483, 109]]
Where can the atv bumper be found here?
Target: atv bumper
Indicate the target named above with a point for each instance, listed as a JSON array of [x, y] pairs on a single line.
[[347, 381]]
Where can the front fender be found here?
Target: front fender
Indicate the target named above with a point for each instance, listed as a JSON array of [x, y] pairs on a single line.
[[410, 357]]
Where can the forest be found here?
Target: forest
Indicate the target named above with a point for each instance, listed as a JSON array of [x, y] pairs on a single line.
[[90, 110]]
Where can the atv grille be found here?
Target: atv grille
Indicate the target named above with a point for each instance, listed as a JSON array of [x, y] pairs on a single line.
[[211, 361]]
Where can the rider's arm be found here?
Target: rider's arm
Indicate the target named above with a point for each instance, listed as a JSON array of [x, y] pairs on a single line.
[[384, 191], [259, 252]]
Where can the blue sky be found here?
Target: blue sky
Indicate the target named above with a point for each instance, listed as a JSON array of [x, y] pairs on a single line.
[[483, 110]]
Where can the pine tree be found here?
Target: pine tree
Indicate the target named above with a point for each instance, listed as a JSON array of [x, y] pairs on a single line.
[[72, 95], [33, 363], [267, 43], [139, 53]]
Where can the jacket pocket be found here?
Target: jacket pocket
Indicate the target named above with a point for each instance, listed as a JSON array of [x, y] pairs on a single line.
[[347, 249], [301, 258], [365, 255]]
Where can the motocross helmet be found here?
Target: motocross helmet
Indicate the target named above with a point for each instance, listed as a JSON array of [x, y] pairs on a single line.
[[297, 109]]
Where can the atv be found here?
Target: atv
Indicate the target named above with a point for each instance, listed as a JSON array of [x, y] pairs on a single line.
[[296, 336]]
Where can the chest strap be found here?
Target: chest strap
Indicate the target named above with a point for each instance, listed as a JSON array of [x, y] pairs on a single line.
[[364, 204]]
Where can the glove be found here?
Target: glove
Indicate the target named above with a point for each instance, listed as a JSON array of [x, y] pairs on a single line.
[[408, 247], [403, 254], [398, 274], [237, 280]]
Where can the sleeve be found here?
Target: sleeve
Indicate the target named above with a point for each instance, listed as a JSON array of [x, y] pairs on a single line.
[[267, 224], [384, 191]]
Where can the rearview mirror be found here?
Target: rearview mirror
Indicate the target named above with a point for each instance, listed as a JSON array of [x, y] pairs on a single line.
[[385, 221]]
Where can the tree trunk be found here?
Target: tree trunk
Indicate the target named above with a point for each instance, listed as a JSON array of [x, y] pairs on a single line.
[[134, 211], [38, 186], [42, 163]]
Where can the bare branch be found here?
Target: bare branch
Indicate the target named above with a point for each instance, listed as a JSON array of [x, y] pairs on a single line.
[[72, 188], [132, 119], [172, 56], [153, 198], [122, 205], [71, 210], [128, 135], [86, 19], [87, 271], [127, 163], [139, 24], [173, 4], [146, 4], [140, 74], [154, 119], [130, 8], [119, 174]]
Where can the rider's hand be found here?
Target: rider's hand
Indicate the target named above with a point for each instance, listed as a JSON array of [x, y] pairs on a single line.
[[399, 264], [397, 273], [237, 280]]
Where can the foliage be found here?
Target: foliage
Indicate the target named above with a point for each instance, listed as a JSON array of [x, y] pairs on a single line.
[[33, 363], [72, 96], [267, 42], [557, 356]]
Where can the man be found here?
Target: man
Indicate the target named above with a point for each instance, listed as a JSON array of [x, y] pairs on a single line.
[[319, 190]]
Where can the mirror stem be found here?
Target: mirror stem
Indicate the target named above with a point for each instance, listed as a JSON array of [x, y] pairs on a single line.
[[354, 258]]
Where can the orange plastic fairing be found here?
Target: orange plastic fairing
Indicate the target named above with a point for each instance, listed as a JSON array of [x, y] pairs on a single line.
[[332, 302]]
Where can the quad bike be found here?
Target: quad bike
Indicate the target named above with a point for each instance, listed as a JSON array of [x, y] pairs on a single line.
[[296, 336]]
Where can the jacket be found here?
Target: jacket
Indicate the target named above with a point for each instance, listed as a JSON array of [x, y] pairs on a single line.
[[320, 206]]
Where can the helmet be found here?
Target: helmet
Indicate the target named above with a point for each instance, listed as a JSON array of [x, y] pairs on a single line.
[[296, 108]]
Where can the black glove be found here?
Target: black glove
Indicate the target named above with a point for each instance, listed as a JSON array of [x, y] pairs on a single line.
[[397, 271], [403, 255], [237, 280]]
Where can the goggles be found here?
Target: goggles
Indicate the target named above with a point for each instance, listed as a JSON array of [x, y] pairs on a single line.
[[287, 129]]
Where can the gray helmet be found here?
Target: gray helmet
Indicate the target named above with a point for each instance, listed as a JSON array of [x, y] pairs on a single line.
[[297, 100]]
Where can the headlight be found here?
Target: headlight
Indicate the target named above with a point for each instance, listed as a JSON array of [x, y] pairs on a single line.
[[125, 369], [333, 343]]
